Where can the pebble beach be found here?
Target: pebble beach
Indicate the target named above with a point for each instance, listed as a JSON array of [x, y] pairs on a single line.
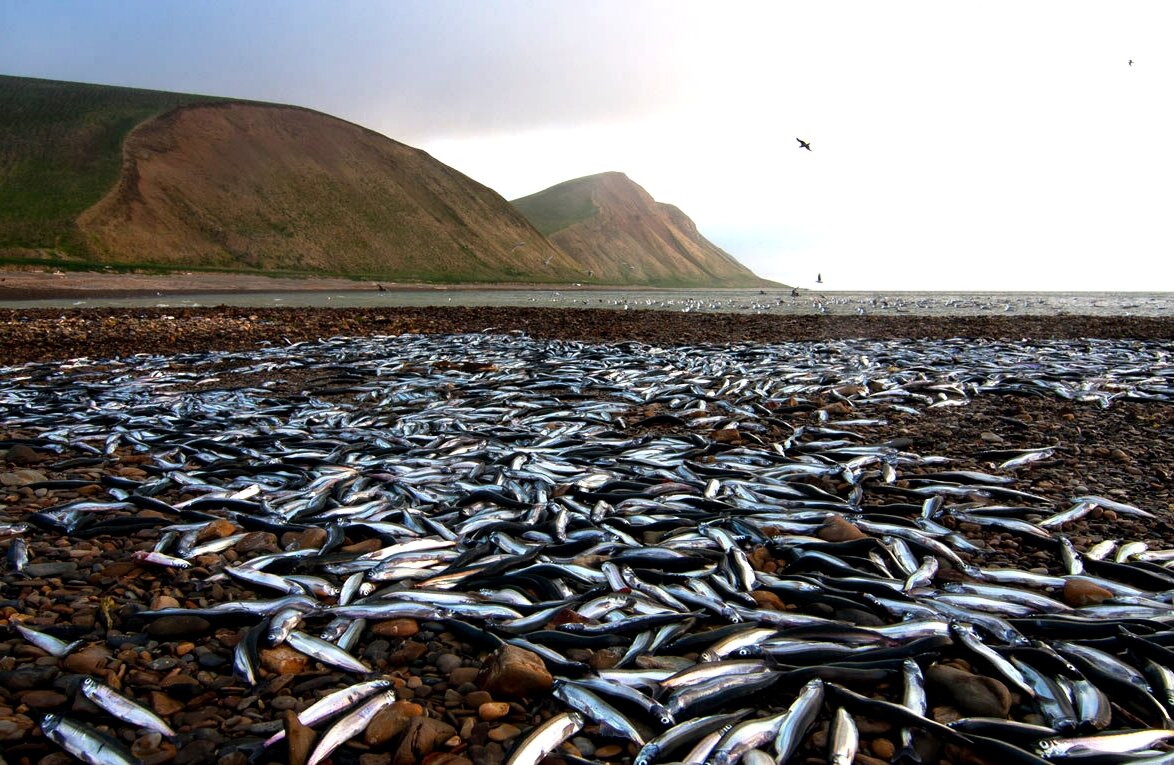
[[541, 505]]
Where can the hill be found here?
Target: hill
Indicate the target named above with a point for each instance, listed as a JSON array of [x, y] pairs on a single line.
[[135, 179], [61, 151], [616, 231]]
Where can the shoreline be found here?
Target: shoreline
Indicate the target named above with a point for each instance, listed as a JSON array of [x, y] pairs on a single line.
[[45, 334], [19, 285]]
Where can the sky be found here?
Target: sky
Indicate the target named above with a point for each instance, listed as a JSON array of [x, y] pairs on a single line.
[[988, 145]]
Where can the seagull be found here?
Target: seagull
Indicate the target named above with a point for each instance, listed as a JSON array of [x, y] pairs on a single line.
[[1131, 62], [803, 144]]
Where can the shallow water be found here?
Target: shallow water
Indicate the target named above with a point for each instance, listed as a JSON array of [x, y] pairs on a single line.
[[781, 302]]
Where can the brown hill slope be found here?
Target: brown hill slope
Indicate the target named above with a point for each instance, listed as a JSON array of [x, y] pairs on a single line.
[[617, 232], [248, 186]]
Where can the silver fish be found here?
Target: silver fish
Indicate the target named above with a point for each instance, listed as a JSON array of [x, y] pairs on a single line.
[[349, 726], [123, 708], [325, 652], [843, 740], [544, 739], [333, 703], [46, 642], [1107, 743], [84, 743]]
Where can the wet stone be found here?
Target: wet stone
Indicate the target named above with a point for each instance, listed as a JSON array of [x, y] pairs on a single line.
[[178, 626], [56, 569], [88, 661], [199, 751], [26, 678], [41, 700], [447, 662], [406, 654]]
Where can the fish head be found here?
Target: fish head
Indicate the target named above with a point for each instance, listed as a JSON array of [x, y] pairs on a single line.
[[663, 715], [50, 722], [1049, 748]]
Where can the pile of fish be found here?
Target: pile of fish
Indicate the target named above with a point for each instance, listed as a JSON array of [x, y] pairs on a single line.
[[753, 568]]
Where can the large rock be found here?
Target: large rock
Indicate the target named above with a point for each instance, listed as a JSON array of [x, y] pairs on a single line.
[[975, 695], [1081, 592], [514, 672], [179, 625], [22, 477], [839, 530], [423, 735], [300, 738]]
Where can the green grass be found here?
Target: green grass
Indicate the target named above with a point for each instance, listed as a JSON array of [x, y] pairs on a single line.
[[559, 206], [61, 151]]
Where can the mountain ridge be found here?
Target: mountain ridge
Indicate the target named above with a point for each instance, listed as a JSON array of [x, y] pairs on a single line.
[[616, 230], [131, 179]]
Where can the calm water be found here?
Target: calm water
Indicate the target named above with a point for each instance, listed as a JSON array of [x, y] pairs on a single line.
[[734, 301]]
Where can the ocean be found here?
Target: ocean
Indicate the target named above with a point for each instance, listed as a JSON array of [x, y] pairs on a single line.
[[781, 302]]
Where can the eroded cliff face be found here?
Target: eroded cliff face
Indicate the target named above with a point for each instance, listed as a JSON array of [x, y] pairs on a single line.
[[245, 186], [618, 233]]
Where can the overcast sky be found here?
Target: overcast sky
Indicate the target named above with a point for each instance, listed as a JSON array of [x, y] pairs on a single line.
[[955, 145]]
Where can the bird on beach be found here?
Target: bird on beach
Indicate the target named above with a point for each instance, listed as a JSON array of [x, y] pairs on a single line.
[[803, 144]]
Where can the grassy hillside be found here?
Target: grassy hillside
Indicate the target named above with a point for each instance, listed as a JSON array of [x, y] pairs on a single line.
[[61, 151], [617, 232], [236, 186], [559, 206], [145, 180]]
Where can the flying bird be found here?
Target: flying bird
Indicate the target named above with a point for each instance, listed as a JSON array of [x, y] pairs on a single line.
[[1131, 62], [803, 144]]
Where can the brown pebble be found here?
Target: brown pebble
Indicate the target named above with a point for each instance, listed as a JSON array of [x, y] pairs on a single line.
[[945, 715], [768, 600], [15, 727], [179, 625], [423, 735], [864, 759], [20, 454], [515, 673], [883, 748], [462, 675], [976, 695], [163, 704], [1082, 592], [375, 758], [311, 539], [366, 546], [218, 529], [396, 628], [300, 738], [159, 602], [406, 653], [505, 732], [446, 758], [283, 660], [43, 699], [476, 698], [90, 661], [838, 529], [605, 658], [257, 541], [493, 710]]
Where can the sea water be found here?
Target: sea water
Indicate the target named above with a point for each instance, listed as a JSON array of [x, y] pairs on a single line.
[[778, 301]]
